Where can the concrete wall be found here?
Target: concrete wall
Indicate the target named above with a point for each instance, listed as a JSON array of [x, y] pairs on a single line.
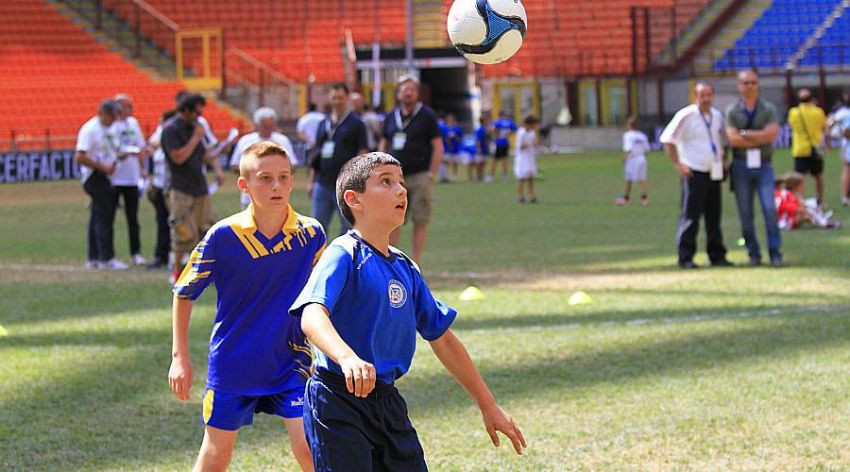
[[587, 138]]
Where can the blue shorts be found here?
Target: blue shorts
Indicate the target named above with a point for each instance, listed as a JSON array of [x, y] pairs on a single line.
[[351, 433], [230, 412]]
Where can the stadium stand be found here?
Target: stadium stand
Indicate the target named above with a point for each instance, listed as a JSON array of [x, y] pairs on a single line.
[[777, 36], [55, 74], [833, 47], [586, 37], [308, 37]]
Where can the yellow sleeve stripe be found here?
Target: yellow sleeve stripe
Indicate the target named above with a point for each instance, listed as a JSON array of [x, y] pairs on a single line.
[[318, 255]]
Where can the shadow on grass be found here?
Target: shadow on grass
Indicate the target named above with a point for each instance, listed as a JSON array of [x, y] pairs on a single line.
[[119, 410], [783, 336]]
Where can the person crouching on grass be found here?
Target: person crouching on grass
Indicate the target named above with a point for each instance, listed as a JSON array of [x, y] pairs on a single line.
[[361, 309], [259, 360]]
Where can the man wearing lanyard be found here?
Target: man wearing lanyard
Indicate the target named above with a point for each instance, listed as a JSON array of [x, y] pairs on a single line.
[[694, 141], [339, 137], [752, 125], [412, 135]]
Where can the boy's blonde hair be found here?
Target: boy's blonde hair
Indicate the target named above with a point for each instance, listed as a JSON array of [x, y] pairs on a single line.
[[259, 151], [792, 180]]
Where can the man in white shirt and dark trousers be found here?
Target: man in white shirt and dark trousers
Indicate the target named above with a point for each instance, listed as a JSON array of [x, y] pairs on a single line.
[[96, 152], [694, 140], [132, 151]]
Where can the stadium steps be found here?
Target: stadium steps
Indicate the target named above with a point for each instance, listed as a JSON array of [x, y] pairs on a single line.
[[840, 9], [725, 39], [429, 24], [697, 28], [119, 37]]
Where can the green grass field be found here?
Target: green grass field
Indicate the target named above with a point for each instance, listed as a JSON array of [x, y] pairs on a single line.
[[713, 369]]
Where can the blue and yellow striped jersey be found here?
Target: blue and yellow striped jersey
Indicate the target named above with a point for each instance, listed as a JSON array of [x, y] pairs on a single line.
[[256, 348]]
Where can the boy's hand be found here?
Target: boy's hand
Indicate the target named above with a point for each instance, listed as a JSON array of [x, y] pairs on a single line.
[[360, 376], [180, 377], [495, 419]]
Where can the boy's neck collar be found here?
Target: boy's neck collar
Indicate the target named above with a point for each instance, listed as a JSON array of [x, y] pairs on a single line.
[[377, 240]]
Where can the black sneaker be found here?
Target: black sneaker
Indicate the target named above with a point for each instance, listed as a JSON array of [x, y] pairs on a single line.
[[687, 265], [776, 261], [722, 263], [157, 264], [755, 261]]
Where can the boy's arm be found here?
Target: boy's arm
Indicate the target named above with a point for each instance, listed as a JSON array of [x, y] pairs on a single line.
[[180, 373], [453, 356], [359, 375]]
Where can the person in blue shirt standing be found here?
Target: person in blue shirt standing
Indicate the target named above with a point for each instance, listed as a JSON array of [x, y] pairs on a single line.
[[361, 309], [341, 136], [452, 135], [483, 136], [259, 360], [503, 128]]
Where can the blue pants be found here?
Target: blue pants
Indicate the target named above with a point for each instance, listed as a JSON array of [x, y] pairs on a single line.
[[325, 205], [749, 182], [364, 434]]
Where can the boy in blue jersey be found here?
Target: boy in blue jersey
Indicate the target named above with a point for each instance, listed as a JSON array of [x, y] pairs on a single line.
[[503, 128], [259, 359], [452, 136], [362, 307], [482, 149]]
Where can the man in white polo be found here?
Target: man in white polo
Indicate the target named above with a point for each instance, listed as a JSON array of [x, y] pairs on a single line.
[[695, 142]]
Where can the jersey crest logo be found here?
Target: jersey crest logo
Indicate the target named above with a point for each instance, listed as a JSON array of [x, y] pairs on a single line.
[[397, 293]]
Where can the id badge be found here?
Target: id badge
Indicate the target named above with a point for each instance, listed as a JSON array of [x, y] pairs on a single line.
[[328, 149], [753, 158], [717, 170], [399, 140]]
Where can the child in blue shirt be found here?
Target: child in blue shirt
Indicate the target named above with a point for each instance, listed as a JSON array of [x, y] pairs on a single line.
[[503, 127], [482, 150], [259, 359], [362, 307]]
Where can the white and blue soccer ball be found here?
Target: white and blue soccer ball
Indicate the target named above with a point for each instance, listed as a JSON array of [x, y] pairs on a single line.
[[487, 31]]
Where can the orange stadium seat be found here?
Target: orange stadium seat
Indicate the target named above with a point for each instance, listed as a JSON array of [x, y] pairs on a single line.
[[55, 74]]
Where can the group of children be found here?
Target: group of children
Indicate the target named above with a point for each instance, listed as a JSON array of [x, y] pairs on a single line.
[[318, 335], [527, 148]]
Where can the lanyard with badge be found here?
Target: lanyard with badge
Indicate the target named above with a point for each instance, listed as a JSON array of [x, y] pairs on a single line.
[[330, 128], [400, 137], [753, 154], [716, 162]]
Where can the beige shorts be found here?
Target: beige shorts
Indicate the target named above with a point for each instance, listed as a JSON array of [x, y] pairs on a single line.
[[189, 218], [420, 197]]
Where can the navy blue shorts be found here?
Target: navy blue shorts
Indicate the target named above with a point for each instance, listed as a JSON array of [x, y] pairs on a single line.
[[230, 412], [350, 433]]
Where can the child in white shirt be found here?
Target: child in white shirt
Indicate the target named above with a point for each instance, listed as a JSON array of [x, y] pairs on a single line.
[[525, 164], [635, 147]]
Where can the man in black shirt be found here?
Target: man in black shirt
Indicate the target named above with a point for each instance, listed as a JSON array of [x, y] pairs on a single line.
[[340, 136], [412, 135], [188, 196]]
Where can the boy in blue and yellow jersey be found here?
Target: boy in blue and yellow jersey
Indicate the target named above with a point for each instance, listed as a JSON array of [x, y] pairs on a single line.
[[362, 307], [259, 359]]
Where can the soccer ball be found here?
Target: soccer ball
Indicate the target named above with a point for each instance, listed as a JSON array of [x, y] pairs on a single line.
[[487, 31]]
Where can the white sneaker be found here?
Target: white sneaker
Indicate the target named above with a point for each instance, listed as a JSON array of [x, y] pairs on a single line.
[[93, 264], [115, 264], [138, 259]]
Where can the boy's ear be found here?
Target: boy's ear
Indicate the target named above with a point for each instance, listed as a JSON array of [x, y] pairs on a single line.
[[351, 199], [242, 183]]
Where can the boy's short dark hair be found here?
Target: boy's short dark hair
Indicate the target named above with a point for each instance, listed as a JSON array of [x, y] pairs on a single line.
[[339, 86], [354, 174], [531, 120], [190, 102]]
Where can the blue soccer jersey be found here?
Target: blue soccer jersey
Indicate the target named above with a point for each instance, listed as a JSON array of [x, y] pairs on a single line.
[[376, 303], [504, 127], [255, 347], [482, 140]]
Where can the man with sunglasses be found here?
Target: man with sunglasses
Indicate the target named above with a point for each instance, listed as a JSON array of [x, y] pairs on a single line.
[[751, 126]]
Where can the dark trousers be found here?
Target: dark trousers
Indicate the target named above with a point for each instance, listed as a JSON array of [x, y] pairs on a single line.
[[163, 233], [130, 195], [101, 218], [700, 196], [350, 433]]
